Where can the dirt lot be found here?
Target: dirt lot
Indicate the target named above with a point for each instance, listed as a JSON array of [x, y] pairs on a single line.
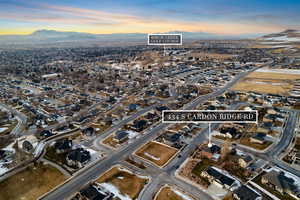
[[127, 183], [166, 193], [109, 141], [246, 141], [100, 128], [156, 153], [30, 183]]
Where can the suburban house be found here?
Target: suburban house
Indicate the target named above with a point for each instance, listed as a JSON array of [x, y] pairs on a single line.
[[245, 161], [139, 125], [121, 136], [45, 134], [228, 132], [28, 143], [246, 193], [173, 139], [89, 131], [212, 153], [277, 180], [132, 107], [258, 138], [78, 157], [216, 176], [91, 192], [62, 146]]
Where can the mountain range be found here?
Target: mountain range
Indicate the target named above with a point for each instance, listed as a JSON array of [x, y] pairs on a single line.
[[53, 36]]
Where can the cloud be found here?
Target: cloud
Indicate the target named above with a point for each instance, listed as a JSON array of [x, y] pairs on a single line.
[[99, 21]]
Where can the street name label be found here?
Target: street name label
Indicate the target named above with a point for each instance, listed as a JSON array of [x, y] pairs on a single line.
[[164, 39], [209, 116]]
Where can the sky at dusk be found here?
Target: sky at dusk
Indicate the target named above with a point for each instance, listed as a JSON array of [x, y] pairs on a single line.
[[149, 16]]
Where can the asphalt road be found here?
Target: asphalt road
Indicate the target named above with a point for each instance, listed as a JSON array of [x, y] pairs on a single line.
[[92, 172], [22, 120], [272, 153]]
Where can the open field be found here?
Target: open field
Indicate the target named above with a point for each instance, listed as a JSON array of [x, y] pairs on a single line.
[[156, 153], [262, 88], [267, 82], [167, 193], [31, 183], [124, 180], [274, 75]]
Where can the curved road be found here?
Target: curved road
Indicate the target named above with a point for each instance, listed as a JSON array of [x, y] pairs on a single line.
[[92, 172]]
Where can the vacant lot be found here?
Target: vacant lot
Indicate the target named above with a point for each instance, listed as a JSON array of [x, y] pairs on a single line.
[[109, 141], [268, 82], [30, 183], [246, 141], [126, 182], [99, 127], [273, 75], [156, 153], [167, 193], [266, 86]]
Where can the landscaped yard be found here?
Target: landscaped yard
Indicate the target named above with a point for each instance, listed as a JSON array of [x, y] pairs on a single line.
[[31, 183], [55, 157], [123, 182], [156, 153], [202, 166]]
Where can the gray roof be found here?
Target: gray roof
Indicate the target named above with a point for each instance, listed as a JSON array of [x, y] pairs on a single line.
[[246, 193]]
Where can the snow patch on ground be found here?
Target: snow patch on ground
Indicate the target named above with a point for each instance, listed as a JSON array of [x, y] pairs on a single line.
[[125, 170], [284, 38], [268, 42], [10, 148], [141, 176], [94, 154], [3, 129], [285, 71], [132, 134], [3, 169], [151, 156], [184, 196], [113, 189]]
